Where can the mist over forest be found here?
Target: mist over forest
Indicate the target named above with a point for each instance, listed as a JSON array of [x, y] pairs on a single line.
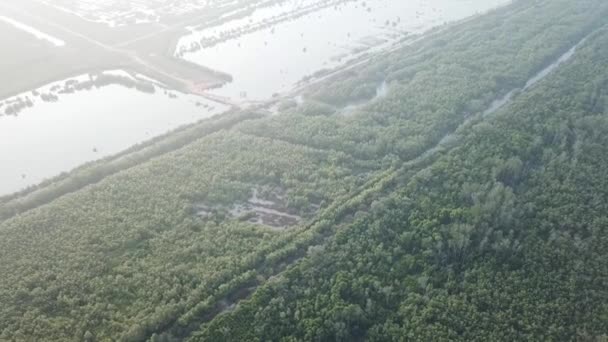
[[289, 170]]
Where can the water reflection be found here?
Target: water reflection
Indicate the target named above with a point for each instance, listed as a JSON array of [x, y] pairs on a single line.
[[48, 138], [270, 59]]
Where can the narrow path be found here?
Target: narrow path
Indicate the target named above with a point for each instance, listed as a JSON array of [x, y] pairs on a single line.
[[410, 167], [365, 60]]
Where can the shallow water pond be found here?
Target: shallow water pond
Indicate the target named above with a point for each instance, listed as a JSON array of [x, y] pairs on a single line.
[[269, 53], [57, 128]]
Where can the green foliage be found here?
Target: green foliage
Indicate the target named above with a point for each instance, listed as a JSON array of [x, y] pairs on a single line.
[[503, 238], [128, 255], [499, 236], [435, 83]]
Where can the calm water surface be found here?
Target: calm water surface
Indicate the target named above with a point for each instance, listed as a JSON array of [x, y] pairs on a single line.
[[273, 58], [52, 137]]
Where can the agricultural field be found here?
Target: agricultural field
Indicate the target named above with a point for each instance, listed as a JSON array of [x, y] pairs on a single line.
[[500, 238]]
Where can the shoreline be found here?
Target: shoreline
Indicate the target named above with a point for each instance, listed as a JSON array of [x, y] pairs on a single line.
[[9, 202]]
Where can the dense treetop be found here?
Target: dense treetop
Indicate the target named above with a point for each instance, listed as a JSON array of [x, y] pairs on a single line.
[[497, 233]]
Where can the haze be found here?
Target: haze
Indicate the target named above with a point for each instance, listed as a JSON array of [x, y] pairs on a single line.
[[303, 170]]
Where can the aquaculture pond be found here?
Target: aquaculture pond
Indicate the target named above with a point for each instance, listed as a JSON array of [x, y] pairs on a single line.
[[275, 47], [65, 124]]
